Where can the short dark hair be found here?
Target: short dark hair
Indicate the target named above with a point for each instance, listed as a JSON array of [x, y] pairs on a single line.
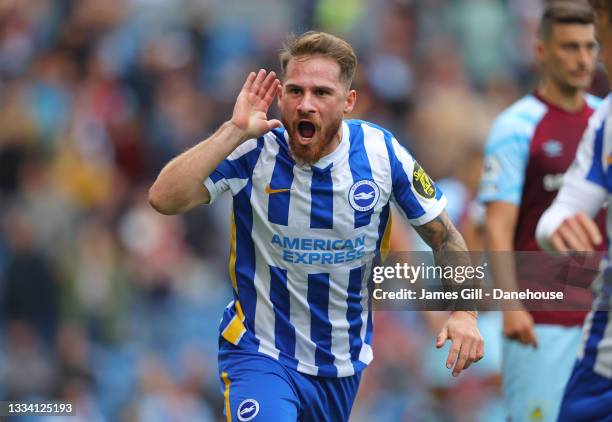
[[314, 43], [564, 12]]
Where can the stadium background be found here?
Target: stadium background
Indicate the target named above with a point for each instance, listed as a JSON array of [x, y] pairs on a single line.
[[107, 304]]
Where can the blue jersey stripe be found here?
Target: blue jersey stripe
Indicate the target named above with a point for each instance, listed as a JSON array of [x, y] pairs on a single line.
[[284, 332], [596, 334], [240, 168], [280, 190], [322, 203], [245, 255], [402, 188], [596, 172], [382, 226], [360, 167], [353, 312], [439, 193], [320, 325]]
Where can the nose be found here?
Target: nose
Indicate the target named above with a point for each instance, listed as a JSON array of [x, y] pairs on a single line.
[[584, 57], [306, 105]]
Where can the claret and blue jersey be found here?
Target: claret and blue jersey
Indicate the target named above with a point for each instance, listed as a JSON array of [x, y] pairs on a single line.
[[303, 239], [530, 147]]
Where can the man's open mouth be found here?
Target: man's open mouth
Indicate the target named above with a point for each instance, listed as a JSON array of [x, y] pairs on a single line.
[[306, 129]]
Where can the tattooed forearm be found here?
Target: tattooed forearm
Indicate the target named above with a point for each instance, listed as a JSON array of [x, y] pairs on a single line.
[[448, 246], [441, 235]]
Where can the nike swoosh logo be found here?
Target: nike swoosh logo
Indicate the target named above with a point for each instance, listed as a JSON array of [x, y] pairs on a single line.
[[270, 191]]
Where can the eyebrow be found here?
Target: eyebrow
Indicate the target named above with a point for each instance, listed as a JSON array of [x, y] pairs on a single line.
[[322, 87]]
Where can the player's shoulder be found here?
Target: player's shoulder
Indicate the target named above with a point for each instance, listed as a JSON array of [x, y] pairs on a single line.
[[602, 113], [270, 142], [371, 132], [376, 139], [358, 123], [593, 101], [526, 112], [517, 123], [245, 148]]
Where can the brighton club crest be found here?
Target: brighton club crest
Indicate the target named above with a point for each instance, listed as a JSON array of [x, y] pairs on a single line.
[[364, 195]]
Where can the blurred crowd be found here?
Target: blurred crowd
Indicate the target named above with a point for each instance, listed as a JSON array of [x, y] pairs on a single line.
[[115, 308]]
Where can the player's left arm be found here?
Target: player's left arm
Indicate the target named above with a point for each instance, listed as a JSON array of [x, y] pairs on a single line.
[[461, 328]]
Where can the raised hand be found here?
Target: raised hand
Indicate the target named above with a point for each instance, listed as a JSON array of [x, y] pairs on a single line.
[[253, 103]]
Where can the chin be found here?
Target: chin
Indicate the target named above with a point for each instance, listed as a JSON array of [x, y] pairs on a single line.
[[306, 154]]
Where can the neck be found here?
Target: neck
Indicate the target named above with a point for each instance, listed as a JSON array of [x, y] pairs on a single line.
[[331, 147], [566, 98]]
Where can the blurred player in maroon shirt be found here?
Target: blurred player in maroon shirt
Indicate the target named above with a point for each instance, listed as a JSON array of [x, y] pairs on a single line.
[[530, 147]]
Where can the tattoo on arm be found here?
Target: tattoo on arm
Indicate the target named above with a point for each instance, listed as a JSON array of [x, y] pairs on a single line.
[[449, 248], [441, 235]]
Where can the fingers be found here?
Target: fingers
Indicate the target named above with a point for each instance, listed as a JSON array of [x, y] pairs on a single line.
[[274, 123], [271, 92], [266, 84], [453, 355], [591, 229], [576, 233], [461, 349], [518, 325], [254, 86], [261, 76], [469, 349], [480, 349], [467, 345], [262, 83], [262, 88], [527, 336], [580, 233], [442, 337], [249, 81], [558, 243], [476, 352], [570, 237]]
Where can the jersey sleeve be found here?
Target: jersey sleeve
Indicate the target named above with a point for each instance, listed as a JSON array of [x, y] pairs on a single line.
[[416, 195], [593, 101], [584, 186], [235, 171], [505, 159], [588, 166]]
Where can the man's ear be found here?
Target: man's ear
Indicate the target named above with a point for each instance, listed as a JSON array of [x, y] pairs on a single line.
[[351, 99], [279, 94], [540, 50]]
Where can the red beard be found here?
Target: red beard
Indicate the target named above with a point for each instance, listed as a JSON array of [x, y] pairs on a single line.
[[314, 151]]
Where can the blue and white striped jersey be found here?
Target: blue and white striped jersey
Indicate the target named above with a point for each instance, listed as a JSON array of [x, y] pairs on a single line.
[[587, 187], [303, 239]]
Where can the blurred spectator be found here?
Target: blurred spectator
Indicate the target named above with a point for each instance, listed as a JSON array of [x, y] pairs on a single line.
[[29, 371]]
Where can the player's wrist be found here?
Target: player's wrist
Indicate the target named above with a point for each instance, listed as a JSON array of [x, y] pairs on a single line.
[[235, 132]]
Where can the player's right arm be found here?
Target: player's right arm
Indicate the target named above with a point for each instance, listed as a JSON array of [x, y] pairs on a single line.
[[179, 186], [567, 225], [506, 156]]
